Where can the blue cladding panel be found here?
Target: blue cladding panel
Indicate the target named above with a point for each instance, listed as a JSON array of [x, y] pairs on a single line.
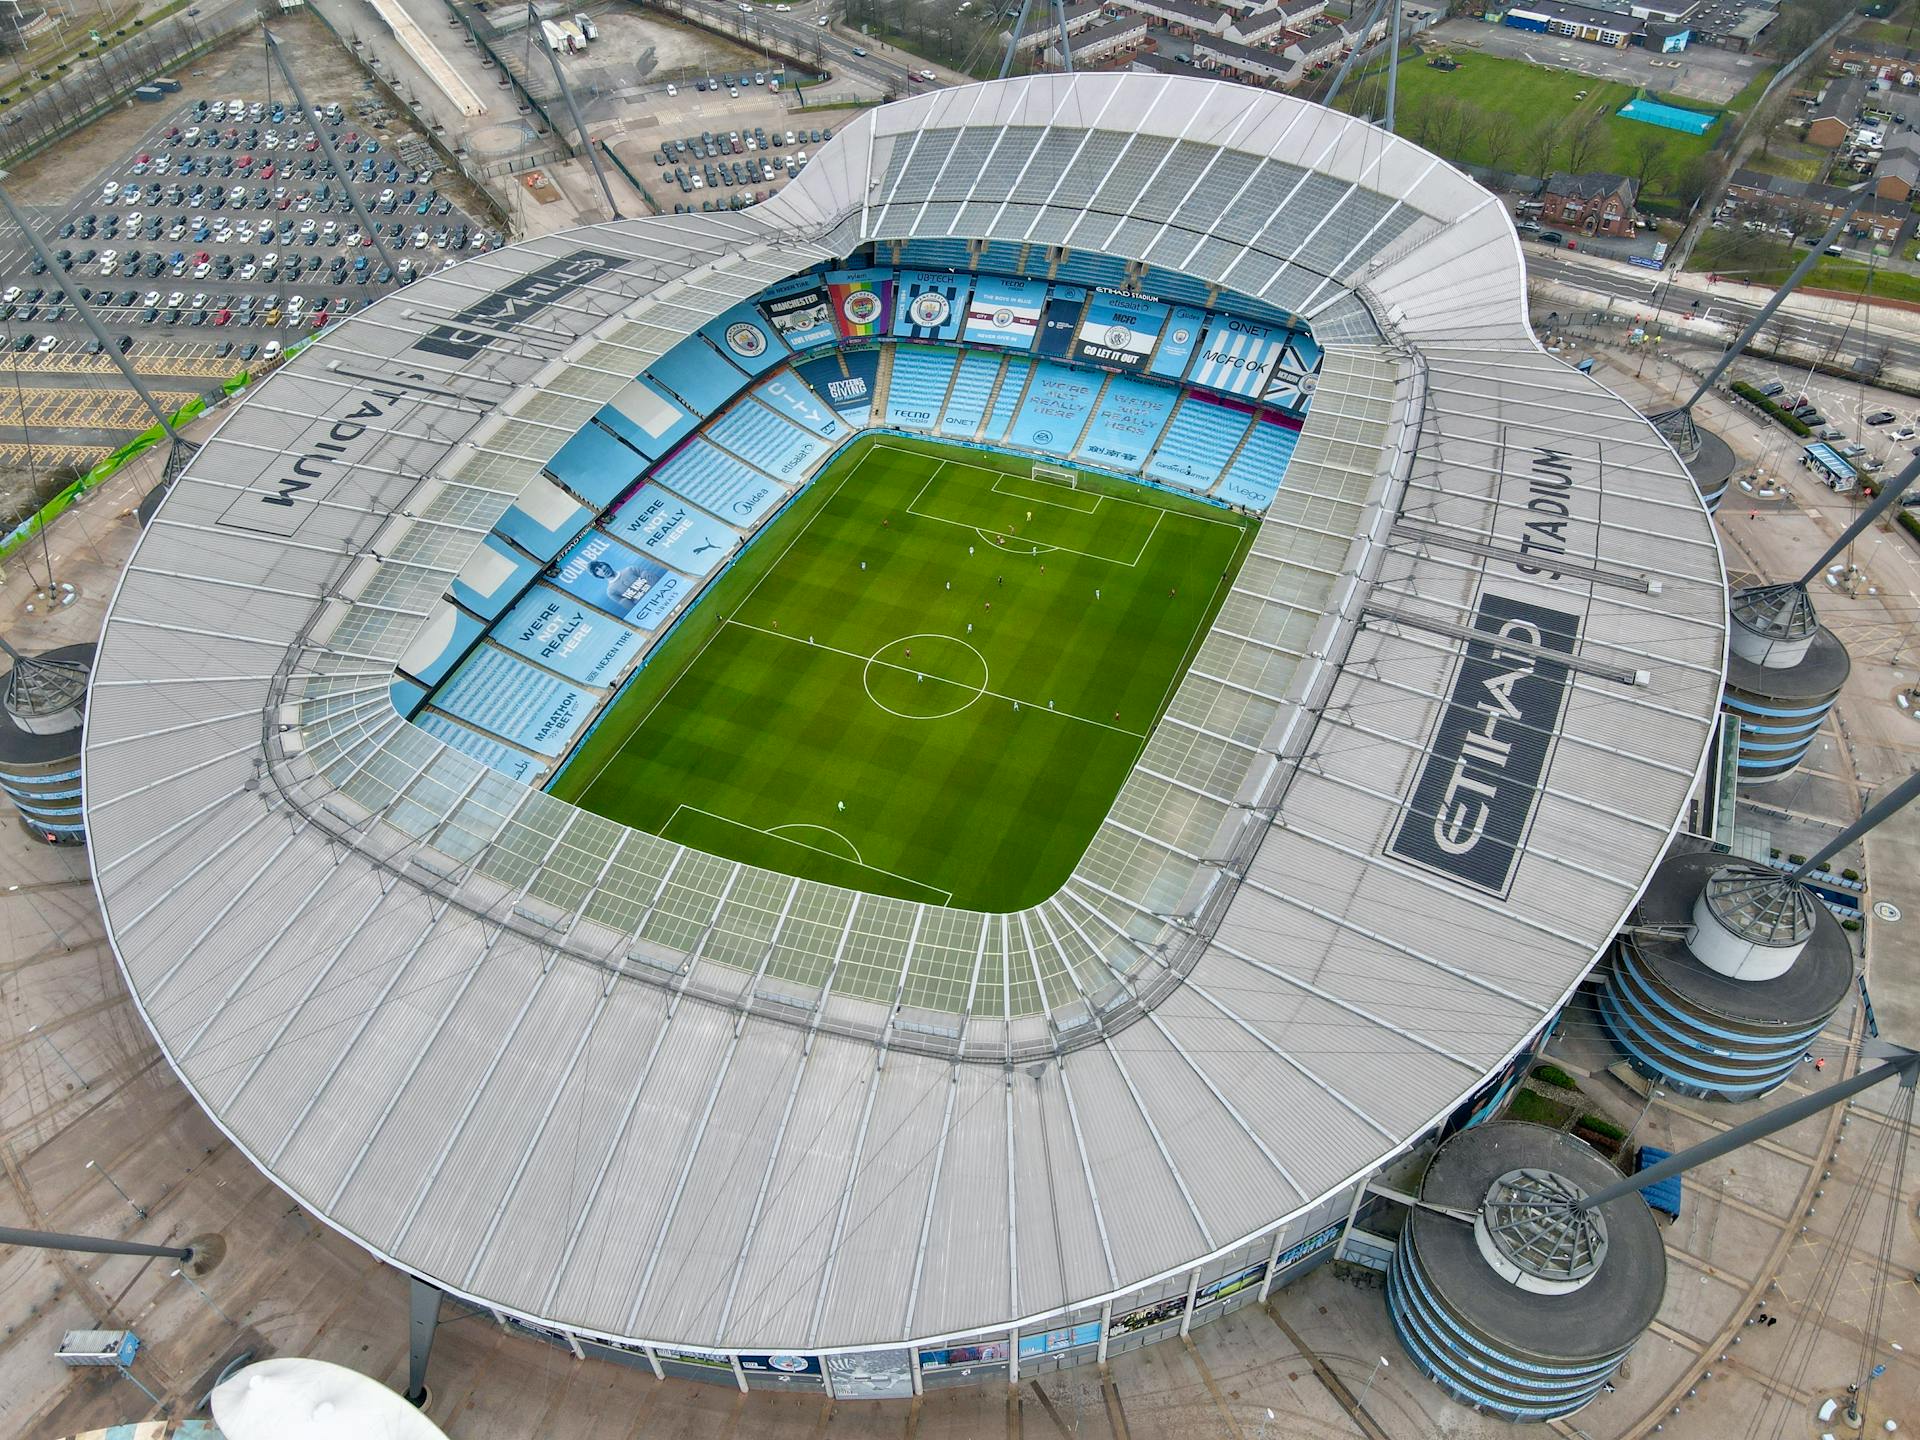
[[697, 375], [596, 466]]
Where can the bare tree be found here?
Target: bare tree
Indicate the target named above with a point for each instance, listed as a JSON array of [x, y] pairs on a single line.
[[1499, 134], [1541, 144], [1583, 140], [1647, 150], [1449, 120]]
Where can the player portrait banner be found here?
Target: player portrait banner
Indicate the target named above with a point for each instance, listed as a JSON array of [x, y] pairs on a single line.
[[802, 318], [1238, 356], [602, 572], [1118, 332], [1060, 320], [555, 630], [1005, 312], [862, 300], [931, 305], [1179, 338]]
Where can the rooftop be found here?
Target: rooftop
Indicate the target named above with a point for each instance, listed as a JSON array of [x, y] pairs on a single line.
[[1251, 990]]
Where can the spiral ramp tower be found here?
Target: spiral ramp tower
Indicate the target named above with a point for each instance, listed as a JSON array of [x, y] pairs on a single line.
[[1784, 671], [1726, 971], [1507, 1295]]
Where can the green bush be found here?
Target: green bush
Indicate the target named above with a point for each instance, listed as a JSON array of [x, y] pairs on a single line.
[[1849, 924], [1553, 1075], [1796, 859], [1600, 1125], [1850, 874], [1754, 397], [1910, 523], [1775, 852]]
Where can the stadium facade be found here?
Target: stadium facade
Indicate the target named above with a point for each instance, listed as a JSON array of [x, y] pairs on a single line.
[[664, 1105]]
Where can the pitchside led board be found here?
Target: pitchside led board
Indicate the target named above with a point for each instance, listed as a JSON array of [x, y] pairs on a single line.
[[602, 572]]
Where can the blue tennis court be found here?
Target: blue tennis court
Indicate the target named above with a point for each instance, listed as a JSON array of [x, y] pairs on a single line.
[[1671, 117]]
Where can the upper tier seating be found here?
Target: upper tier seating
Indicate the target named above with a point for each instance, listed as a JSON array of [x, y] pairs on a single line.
[[972, 388], [1196, 447], [919, 386]]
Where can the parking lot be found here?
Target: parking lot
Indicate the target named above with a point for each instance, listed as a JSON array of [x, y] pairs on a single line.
[[733, 169], [223, 235]]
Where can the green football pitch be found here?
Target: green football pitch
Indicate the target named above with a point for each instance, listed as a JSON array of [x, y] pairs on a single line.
[[928, 678]]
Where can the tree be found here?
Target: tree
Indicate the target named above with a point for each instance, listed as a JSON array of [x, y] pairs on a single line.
[[1583, 142], [1499, 134], [1647, 150], [1448, 119], [1542, 143], [1690, 181]]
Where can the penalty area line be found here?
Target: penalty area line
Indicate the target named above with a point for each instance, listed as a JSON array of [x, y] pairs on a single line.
[[946, 896]]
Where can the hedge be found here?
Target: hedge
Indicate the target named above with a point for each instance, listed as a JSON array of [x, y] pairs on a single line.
[[1754, 397], [1910, 524], [1553, 1075]]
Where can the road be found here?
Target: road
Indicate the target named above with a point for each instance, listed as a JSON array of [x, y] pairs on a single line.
[[800, 31], [1899, 349]]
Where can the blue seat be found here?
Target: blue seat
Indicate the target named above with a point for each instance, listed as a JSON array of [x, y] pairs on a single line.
[[768, 441], [919, 386], [1055, 409], [1012, 383], [1197, 445], [1260, 468], [719, 484], [972, 386]]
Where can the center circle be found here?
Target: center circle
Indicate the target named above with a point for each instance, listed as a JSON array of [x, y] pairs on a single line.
[[925, 676]]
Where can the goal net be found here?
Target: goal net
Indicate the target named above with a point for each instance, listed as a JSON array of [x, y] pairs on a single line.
[[1056, 475]]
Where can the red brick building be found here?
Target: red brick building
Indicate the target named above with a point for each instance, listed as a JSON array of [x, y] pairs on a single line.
[[1595, 204]]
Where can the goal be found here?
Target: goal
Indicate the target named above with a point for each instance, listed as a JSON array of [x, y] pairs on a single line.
[[1056, 475]]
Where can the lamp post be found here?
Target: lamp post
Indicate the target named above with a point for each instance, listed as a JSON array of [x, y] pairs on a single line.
[[182, 1275], [139, 1210], [1652, 1095], [1367, 1389]]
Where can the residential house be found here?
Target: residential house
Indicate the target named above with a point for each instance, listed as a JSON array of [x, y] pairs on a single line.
[[1596, 203], [1884, 220], [1835, 113], [1897, 176]]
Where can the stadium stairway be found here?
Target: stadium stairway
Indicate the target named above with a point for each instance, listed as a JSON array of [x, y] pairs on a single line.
[[971, 395], [1007, 400], [1197, 447], [1258, 468], [882, 384]]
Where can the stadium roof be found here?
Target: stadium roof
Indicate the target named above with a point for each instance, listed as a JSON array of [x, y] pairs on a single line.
[[595, 1079]]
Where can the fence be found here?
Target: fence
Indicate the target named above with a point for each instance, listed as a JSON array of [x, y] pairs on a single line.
[[132, 450], [98, 85]]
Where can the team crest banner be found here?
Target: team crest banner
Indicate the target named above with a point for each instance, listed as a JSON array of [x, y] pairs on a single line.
[[1005, 312], [862, 300], [931, 305]]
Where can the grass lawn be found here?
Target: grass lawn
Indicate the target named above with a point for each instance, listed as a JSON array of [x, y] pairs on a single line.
[[1723, 251], [1529, 94], [1791, 160], [974, 706], [1750, 92], [1899, 29]]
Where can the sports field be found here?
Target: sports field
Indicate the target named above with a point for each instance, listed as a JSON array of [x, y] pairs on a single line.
[[927, 678]]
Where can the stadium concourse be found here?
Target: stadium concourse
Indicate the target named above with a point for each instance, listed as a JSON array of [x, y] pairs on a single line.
[[727, 1122]]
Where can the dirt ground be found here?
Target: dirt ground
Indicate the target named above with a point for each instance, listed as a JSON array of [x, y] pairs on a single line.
[[238, 67]]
